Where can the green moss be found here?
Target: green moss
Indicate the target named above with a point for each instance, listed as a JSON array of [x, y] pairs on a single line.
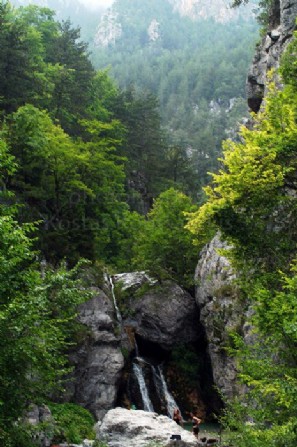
[[72, 423], [226, 290], [126, 297], [143, 289], [99, 443]]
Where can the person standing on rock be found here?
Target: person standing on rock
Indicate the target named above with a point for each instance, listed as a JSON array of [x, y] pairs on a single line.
[[195, 427], [177, 417]]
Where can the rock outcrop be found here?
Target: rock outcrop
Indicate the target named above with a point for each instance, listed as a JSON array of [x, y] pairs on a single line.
[[137, 428], [162, 313], [220, 312], [109, 29], [98, 361], [38, 416], [267, 56], [218, 10], [158, 316]]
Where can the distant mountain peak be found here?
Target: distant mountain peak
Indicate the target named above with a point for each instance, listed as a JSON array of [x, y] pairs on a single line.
[[219, 10], [110, 28]]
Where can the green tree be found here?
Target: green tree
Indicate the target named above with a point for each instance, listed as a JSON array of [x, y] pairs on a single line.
[[266, 415], [72, 78], [246, 196], [36, 312], [20, 60], [144, 146], [164, 246], [266, 10], [75, 188], [252, 201]]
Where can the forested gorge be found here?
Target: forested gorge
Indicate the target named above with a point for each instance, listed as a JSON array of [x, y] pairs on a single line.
[[81, 162], [196, 68], [83, 148], [91, 181], [252, 202]]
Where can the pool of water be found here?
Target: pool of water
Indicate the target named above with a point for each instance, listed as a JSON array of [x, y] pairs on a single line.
[[209, 427]]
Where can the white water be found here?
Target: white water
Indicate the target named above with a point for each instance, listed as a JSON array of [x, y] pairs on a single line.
[[147, 404], [159, 382], [163, 391], [117, 310]]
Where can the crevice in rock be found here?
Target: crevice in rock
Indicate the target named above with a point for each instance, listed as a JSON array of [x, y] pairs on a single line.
[[274, 15], [187, 370]]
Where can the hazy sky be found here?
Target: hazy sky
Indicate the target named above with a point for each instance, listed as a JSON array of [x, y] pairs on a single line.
[[94, 3]]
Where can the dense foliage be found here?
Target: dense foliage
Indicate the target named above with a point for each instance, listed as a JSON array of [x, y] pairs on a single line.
[[164, 246], [82, 162], [86, 151], [37, 311], [197, 69], [72, 424], [252, 201], [75, 154]]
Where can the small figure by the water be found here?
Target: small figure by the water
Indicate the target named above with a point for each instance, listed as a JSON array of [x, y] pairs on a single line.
[[177, 417], [195, 427]]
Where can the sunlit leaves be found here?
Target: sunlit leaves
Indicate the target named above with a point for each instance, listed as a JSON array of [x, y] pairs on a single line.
[[246, 194]]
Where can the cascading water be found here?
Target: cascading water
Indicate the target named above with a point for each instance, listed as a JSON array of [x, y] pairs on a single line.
[[151, 379], [138, 372], [117, 310], [163, 391]]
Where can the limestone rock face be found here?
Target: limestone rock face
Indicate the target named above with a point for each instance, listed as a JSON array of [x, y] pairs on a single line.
[[267, 56], [98, 361], [220, 311], [219, 10], [137, 428], [109, 29], [164, 314]]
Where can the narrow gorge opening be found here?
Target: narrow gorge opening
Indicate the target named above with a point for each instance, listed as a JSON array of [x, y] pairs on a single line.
[[158, 380]]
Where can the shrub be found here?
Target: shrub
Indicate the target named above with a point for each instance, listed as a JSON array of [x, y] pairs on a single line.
[[73, 423]]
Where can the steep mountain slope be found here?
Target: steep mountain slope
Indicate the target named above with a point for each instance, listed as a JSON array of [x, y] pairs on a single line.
[[74, 10], [193, 55], [219, 10]]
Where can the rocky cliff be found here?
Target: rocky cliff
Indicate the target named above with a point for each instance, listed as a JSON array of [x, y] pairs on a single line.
[[98, 362], [267, 56], [219, 10], [122, 14], [220, 311], [139, 340], [217, 298]]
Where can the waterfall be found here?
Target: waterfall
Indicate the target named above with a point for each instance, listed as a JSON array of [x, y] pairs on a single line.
[[117, 310], [138, 372], [163, 391]]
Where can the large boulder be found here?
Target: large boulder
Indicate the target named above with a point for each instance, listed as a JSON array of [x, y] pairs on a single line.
[[220, 312], [98, 361], [268, 52], [137, 428], [162, 313]]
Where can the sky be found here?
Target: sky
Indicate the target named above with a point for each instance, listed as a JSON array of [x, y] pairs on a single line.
[[93, 3]]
